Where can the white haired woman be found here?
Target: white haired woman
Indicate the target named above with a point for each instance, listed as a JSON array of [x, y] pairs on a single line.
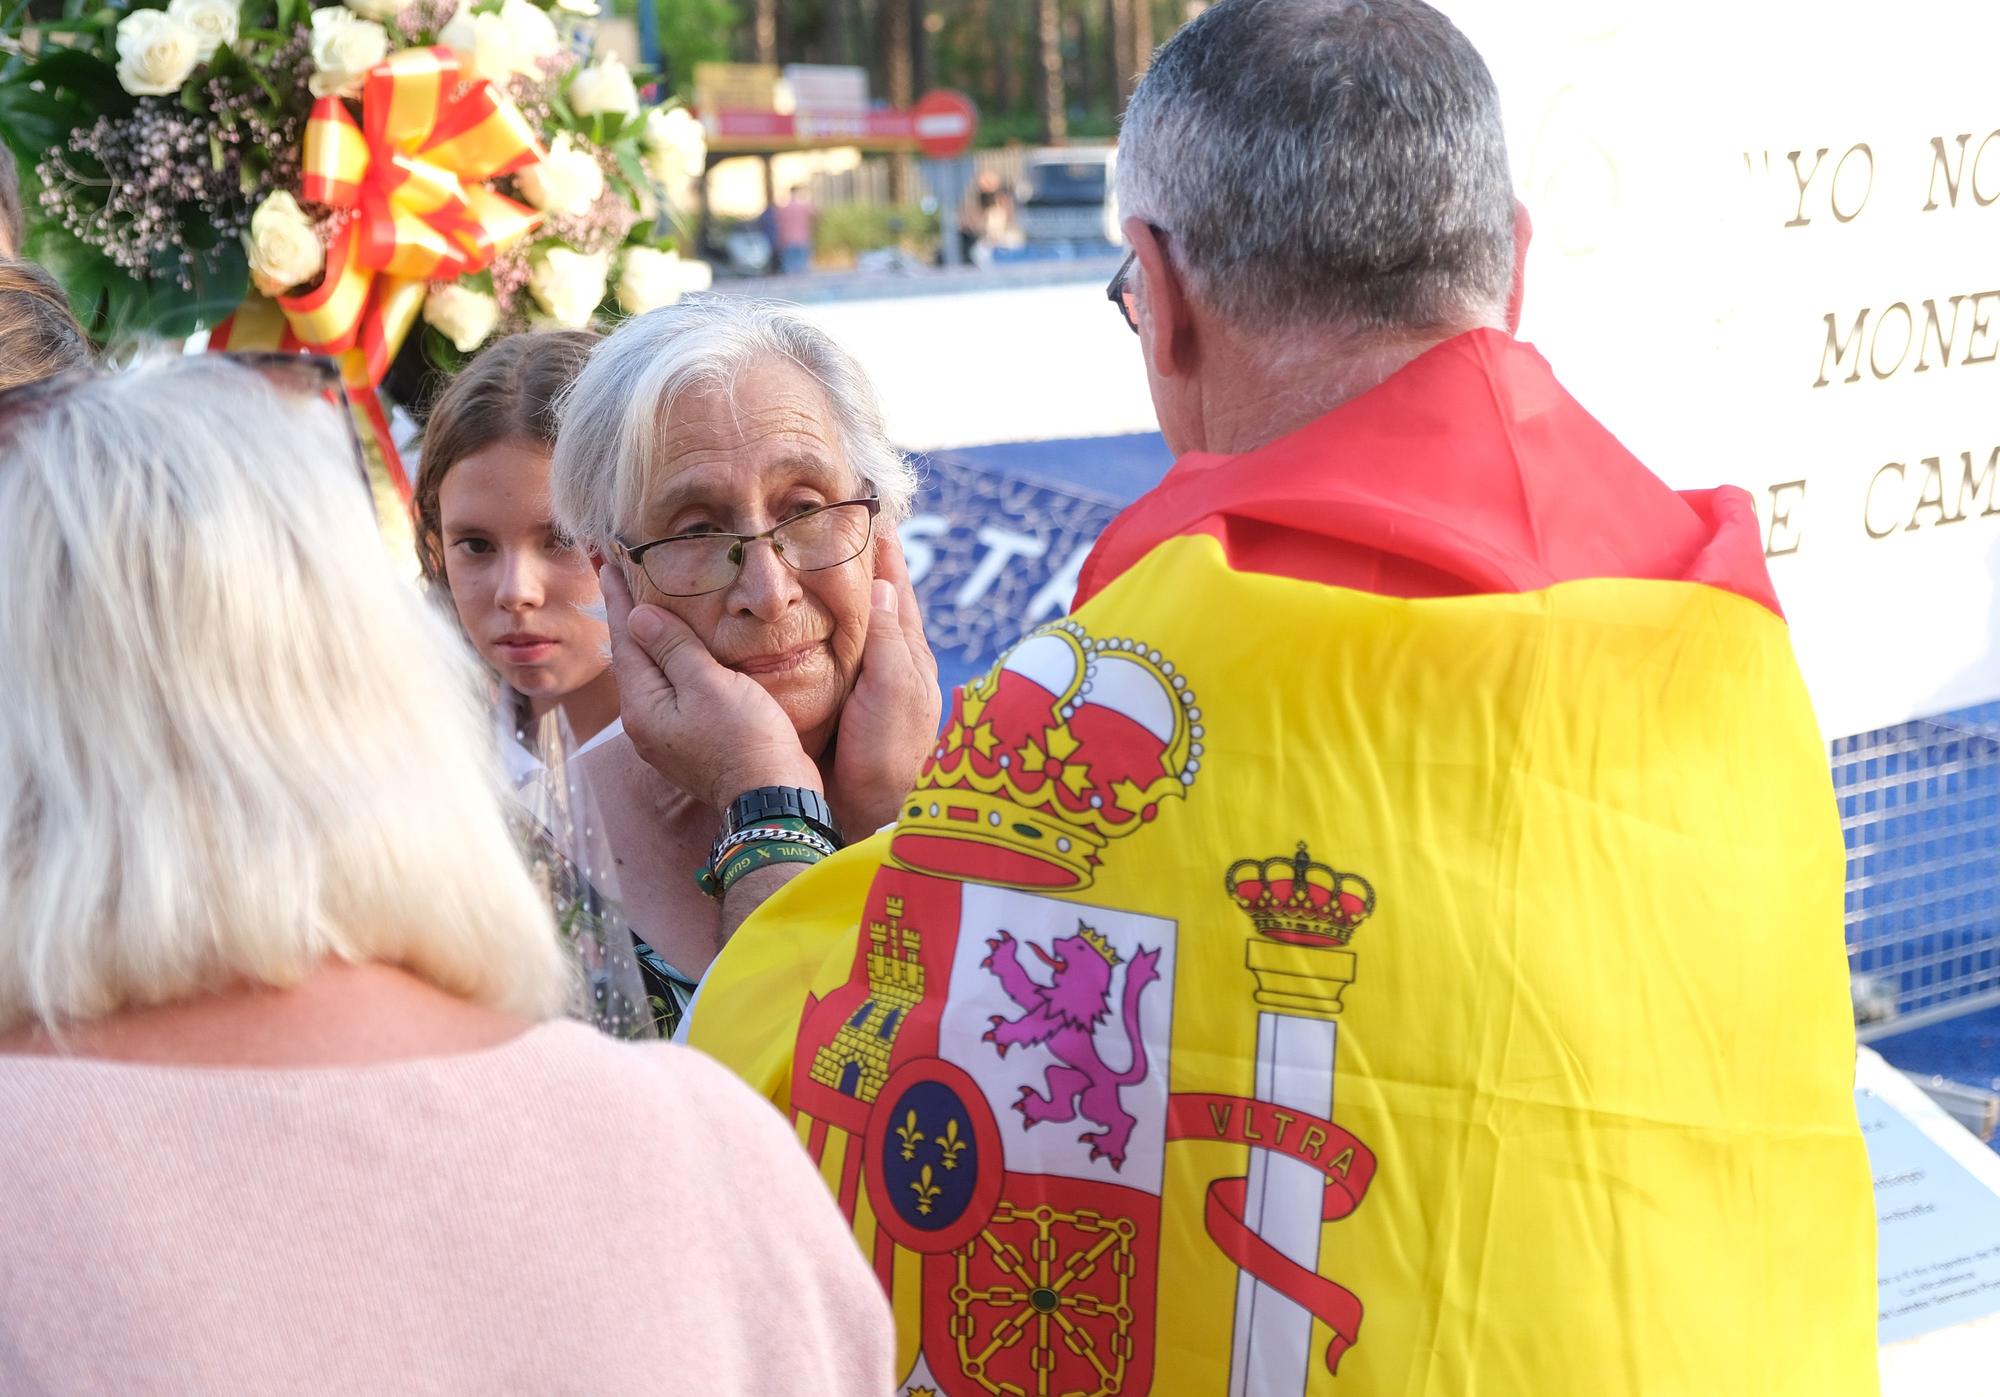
[[284, 1106], [729, 461]]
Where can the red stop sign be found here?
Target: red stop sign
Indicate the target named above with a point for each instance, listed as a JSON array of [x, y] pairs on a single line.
[[946, 122]]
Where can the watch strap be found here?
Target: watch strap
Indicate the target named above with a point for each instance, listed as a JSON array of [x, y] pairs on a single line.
[[766, 803]]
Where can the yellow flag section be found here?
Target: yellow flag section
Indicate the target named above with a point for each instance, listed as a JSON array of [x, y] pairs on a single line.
[[1275, 989]]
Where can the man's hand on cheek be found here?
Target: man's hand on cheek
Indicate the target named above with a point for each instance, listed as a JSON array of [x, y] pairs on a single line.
[[891, 719], [710, 731]]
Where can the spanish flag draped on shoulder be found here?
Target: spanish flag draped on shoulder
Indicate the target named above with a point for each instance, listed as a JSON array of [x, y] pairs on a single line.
[[1387, 940]]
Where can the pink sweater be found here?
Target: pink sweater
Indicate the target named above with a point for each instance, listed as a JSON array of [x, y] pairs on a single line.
[[562, 1214]]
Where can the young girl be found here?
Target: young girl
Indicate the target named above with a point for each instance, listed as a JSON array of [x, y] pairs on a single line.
[[527, 598]]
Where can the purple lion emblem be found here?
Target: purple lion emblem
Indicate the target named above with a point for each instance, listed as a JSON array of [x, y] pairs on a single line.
[[1065, 1014]]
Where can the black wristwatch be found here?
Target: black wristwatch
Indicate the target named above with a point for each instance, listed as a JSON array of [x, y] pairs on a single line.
[[781, 802]]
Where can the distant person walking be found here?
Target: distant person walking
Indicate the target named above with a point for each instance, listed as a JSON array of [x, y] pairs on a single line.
[[983, 215], [794, 219]]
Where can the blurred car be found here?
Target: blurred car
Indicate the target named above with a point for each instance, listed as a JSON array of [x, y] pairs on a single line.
[[1067, 198]]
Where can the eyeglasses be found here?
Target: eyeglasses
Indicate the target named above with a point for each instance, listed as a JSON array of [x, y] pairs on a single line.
[[1121, 295], [693, 565], [299, 375]]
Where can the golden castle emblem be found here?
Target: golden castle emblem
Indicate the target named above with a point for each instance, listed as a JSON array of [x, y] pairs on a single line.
[[856, 1062]]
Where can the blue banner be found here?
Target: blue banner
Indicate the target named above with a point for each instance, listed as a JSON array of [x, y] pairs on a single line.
[[999, 534]]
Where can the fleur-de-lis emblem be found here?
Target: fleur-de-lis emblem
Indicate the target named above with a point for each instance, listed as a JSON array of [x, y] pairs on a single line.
[[949, 1144], [911, 1137], [925, 1189]]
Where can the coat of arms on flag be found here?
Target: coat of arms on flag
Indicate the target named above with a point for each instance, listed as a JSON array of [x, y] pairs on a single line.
[[1009, 1127], [998, 1054], [989, 1088]]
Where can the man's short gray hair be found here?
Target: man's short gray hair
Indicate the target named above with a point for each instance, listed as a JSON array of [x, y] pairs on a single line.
[[1326, 162], [611, 444]]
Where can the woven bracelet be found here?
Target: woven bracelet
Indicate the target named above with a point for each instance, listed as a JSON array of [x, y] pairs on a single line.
[[763, 855], [737, 854]]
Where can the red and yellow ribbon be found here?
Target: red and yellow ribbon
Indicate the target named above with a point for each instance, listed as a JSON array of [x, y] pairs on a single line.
[[259, 325], [412, 171]]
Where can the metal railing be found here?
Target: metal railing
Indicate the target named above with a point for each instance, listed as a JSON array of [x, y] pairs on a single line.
[[1920, 811]]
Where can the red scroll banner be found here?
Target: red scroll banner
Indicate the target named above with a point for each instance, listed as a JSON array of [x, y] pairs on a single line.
[[1349, 1167]]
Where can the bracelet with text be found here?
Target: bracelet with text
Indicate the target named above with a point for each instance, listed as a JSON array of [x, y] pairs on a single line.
[[763, 829], [729, 851], [764, 855]]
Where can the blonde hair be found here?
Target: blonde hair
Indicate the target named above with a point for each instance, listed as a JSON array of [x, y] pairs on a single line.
[[234, 743]]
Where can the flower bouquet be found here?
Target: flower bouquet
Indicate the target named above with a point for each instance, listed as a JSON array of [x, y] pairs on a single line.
[[328, 178]]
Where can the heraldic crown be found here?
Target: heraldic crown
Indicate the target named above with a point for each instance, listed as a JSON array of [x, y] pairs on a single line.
[[1297, 900], [1068, 743], [1098, 942]]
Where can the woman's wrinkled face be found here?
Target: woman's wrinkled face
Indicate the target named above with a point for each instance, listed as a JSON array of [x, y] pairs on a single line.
[[741, 462], [517, 585]]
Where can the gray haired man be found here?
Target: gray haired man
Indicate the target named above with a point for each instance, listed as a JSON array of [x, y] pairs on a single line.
[[1324, 280], [1386, 940]]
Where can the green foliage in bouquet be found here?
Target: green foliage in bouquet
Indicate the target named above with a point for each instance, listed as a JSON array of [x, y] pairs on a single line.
[[139, 201], [152, 135]]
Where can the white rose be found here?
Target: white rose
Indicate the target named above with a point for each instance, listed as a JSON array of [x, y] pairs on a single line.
[[569, 284], [484, 45], [674, 145], [213, 21], [344, 48], [156, 52], [534, 32], [603, 87], [566, 182], [462, 315], [497, 46], [578, 7], [382, 10], [284, 250], [652, 278]]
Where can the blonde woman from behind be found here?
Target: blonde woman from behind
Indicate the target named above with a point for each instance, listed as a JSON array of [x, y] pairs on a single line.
[[284, 1105]]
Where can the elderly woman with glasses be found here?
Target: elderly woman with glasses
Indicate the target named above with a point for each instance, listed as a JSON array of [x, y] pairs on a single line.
[[727, 461]]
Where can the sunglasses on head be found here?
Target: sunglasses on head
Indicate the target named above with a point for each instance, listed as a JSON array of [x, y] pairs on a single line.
[[295, 375]]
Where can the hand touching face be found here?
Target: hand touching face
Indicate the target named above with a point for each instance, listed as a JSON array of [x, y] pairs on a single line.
[[891, 718], [741, 462], [716, 732], [845, 686]]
